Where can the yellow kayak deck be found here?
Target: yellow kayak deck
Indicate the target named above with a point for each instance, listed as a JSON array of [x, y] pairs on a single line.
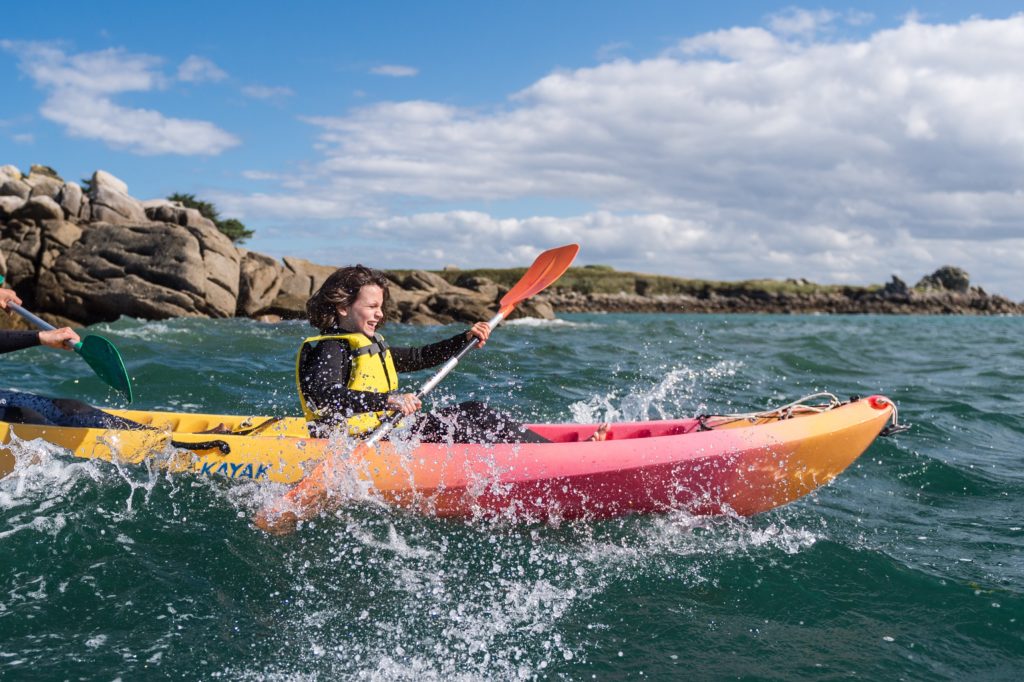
[[243, 447]]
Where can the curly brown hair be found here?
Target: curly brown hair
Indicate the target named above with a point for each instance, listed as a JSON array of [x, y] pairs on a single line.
[[341, 289]]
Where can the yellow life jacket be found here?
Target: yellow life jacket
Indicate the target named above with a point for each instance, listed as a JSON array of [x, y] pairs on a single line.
[[372, 370]]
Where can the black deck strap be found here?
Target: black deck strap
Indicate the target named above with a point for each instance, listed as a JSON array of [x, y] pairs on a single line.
[[702, 422], [224, 448], [258, 427]]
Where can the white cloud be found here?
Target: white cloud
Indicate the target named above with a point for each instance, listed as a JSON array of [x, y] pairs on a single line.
[[80, 90], [267, 92], [104, 72], [395, 70], [142, 131], [260, 175], [197, 69], [795, 21], [841, 160], [473, 236], [24, 138], [611, 51], [857, 18], [798, 22], [281, 207]]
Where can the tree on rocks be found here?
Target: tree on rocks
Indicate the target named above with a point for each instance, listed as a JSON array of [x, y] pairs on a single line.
[[234, 229]]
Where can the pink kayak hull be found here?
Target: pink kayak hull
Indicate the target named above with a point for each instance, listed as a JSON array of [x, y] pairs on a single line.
[[735, 467]]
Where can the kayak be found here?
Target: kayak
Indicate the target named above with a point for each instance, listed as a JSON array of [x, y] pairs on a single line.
[[740, 464]]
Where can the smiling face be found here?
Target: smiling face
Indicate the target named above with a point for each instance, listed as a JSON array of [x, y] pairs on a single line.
[[365, 312]]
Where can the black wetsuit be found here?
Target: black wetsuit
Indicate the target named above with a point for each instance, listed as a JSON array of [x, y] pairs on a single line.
[[324, 373], [17, 340]]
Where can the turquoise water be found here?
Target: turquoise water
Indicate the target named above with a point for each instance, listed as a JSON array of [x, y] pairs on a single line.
[[908, 566]]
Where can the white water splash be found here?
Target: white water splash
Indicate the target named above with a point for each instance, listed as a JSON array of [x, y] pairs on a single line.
[[30, 495], [42, 487], [679, 393], [535, 322]]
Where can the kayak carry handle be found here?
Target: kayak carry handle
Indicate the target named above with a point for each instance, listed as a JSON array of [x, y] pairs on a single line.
[[224, 448]]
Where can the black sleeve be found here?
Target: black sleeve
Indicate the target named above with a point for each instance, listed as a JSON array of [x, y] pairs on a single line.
[[323, 377], [16, 340], [415, 359]]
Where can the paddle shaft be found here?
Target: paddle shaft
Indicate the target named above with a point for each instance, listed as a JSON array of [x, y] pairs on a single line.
[[391, 420], [447, 367]]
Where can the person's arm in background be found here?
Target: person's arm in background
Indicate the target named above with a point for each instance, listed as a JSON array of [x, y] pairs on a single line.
[[17, 340]]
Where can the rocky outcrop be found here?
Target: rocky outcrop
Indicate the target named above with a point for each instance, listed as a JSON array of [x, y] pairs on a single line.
[[111, 203], [12, 183], [9, 205], [259, 283], [298, 280], [97, 254], [946, 278], [165, 211], [44, 182], [39, 208], [20, 243], [70, 199], [151, 271]]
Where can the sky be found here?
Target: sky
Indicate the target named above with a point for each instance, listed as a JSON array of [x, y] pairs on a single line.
[[842, 143]]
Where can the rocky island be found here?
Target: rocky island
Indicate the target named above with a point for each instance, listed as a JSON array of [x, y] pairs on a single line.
[[80, 256]]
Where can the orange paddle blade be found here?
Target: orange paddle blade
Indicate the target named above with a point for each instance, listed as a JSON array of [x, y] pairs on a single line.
[[548, 267]]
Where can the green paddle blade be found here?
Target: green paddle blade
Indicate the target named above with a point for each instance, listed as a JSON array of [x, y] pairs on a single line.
[[104, 359]]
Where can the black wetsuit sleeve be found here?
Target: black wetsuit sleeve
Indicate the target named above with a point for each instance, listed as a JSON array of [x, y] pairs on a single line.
[[17, 340], [414, 359], [323, 376]]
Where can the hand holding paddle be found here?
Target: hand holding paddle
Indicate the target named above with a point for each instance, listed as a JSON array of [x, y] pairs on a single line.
[[312, 494], [61, 339], [97, 352], [408, 403]]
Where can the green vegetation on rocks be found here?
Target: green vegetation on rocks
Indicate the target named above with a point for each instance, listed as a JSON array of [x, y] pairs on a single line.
[[234, 229]]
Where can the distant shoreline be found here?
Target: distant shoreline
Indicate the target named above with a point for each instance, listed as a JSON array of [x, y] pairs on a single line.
[[947, 291]]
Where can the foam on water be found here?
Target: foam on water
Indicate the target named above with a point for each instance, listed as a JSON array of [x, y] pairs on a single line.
[[557, 323]]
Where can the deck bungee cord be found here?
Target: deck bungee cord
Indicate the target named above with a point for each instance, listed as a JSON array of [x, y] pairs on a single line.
[[803, 406]]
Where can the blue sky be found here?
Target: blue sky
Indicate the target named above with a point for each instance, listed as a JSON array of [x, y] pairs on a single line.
[[843, 143]]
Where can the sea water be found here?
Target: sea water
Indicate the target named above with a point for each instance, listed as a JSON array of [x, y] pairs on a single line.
[[910, 565]]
